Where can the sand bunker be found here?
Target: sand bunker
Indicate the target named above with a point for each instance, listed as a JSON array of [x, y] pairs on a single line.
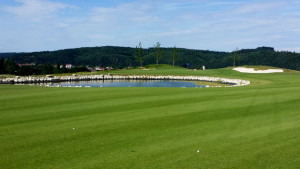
[[251, 70]]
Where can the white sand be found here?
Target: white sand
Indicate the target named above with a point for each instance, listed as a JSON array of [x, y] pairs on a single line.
[[251, 70]]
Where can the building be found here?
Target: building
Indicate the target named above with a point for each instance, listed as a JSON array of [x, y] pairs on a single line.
[[99, 68], [68, 66]]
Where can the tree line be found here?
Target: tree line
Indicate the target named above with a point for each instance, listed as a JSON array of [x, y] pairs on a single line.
[[122, 57], [8, 66]]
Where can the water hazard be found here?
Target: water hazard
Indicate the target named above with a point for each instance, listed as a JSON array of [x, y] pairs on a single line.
[[126, 83]]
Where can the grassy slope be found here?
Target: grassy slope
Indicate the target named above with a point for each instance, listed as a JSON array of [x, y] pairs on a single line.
[[254, 126]]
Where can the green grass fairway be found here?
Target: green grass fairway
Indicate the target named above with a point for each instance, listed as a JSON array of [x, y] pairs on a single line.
[[249, 127]]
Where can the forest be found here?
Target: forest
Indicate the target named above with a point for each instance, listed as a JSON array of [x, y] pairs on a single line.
[[122, 57]]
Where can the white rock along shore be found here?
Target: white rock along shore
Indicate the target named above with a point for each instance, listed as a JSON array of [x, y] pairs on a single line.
[[45, 79], [251, 70]]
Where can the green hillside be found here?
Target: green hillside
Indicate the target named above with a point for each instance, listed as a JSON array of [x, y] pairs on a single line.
[[122, 57]]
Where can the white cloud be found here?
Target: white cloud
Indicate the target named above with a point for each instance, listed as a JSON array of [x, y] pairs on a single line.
[[297, 30], [124, 13], [35, 10], [258, 7], [292, 49], [175, 32]]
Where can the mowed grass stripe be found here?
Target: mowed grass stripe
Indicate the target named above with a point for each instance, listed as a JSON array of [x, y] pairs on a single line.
[[113, 144], [100, 106]]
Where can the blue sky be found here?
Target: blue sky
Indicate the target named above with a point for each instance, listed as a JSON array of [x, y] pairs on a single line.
[[220, 25]]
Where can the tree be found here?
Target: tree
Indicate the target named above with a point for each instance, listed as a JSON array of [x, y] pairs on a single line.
[[139, 54], [174, 55], [158, 52], [2, 69], [235, 57], [47, 69], [10, 66], [57, 68]]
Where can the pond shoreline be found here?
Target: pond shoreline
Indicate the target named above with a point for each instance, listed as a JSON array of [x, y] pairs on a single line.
[[74, 77]]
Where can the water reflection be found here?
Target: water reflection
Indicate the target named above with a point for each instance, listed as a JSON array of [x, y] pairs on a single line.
[[127, 83]]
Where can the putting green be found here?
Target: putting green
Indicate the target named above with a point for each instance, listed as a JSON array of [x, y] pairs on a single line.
[[255, 126]]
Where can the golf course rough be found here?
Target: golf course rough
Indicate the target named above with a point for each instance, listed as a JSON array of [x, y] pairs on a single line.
[[253, 126]]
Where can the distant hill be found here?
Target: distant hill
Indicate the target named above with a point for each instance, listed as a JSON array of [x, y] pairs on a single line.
[[120, 57], [6, 55]]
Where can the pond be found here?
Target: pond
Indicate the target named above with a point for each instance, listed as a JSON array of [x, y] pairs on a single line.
[[126, 83]]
